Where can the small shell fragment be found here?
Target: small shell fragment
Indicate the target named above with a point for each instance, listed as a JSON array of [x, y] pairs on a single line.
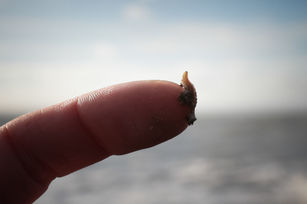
[[188, 97]]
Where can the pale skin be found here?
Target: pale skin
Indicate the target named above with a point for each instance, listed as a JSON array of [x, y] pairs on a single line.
[[38, 147]]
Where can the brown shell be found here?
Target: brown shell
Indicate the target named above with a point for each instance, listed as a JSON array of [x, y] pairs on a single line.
[[188, 97]]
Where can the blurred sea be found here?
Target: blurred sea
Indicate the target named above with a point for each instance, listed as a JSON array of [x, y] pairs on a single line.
[[233, 159]]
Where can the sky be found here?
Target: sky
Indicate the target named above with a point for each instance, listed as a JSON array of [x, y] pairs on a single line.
[[242, 55]]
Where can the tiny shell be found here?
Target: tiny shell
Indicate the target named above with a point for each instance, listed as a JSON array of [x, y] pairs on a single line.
[[188, 97]]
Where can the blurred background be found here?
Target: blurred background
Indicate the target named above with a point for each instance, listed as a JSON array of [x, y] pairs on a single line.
[[246, 58]]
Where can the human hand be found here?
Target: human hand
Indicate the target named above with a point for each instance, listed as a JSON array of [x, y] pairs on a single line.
[[38, 147]]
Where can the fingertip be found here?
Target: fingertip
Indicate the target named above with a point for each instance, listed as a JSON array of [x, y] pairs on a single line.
[[134, 115]]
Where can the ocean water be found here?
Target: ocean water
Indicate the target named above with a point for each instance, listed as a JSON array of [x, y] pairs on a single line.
[[233, 159]]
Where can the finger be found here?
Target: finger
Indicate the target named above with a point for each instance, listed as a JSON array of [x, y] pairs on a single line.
[[55, 141]]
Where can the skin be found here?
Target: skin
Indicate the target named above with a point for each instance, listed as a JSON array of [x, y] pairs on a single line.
[[38, 147]]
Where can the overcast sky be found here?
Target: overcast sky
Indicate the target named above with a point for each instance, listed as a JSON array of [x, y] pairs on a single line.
[[242, 55]]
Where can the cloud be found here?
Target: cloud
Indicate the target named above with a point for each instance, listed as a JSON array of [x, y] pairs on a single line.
[[235, 67], [136, 12], [104, 51], [226, 40]]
